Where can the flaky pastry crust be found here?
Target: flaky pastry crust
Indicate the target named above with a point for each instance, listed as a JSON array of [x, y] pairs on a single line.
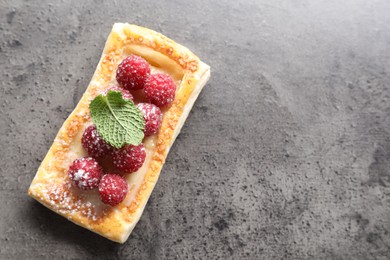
[[51, 185]]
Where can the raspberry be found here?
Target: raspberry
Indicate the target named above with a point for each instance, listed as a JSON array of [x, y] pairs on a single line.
[[129, 158], [85, 173], [153, 117], [113, 189], [132, 72], [160, 89], [94, 144], [125, 93]]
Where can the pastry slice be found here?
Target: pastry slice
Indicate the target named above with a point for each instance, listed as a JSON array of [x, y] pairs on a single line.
[[89, 203]]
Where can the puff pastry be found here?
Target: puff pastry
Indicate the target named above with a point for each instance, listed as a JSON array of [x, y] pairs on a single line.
[[51, 185]]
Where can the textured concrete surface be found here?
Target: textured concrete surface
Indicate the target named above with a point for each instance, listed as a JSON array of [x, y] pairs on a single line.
[[285, 154]]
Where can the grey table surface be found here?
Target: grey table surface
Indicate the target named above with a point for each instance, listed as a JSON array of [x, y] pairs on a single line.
[[284, 155]]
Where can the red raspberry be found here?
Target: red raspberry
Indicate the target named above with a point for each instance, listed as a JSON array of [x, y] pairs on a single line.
[[153, 118], [160, 89], [129, 158], [125, 93], [113, 189], [132, 72], [85, 173], [94, 144]]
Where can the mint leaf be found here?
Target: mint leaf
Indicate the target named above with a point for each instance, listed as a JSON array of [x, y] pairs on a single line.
[[118, 121]]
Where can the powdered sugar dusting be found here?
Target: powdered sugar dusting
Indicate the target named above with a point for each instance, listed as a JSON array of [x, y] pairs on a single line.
[[94, 144], [85, 173], [153, 118], [66, 200], [160, 89], [132, 72], [113, 189], [129, 158]]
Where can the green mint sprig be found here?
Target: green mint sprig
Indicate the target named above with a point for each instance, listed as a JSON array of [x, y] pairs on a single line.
[[118, 121]]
